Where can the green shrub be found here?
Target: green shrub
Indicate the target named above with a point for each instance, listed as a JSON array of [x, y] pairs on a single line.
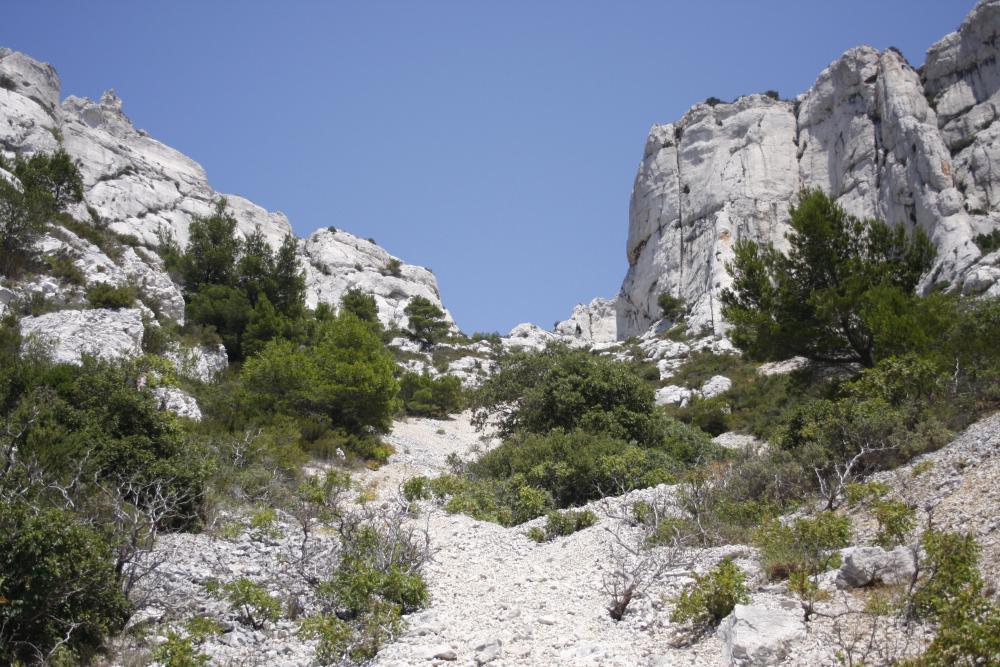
[[431, 397], [251, 600], [558, 524], [712, 596], [57, 585], [361, 305], [671, 307], [346, 377], [179, 651], [416, 488], [842, 293], [334, 635], [808, 545], [63, 267], [105, 295], [987, 243], [394, 267], [426, 321]]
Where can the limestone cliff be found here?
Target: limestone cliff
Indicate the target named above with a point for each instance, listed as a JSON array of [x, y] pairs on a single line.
[[143, 189], [914, 148]]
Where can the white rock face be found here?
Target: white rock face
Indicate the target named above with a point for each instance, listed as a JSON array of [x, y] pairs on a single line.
[[179, 402], [202, 363], [715, 385], [673, 394], [142, 188], [68, 335], [529, 336], [337, 261], [863, 566], [592, 323], [864, 132], [754, 635]]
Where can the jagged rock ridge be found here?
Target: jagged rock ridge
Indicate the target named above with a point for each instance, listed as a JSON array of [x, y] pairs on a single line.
[[144, 189], [914, 148]]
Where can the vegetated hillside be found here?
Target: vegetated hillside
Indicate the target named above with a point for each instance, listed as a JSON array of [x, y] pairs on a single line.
[[914, 148], [223, 445]]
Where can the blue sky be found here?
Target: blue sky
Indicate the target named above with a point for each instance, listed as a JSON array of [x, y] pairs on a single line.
[[495, 143]]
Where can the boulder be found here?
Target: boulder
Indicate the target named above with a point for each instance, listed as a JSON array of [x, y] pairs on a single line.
[[592, 323], [68, 335], [754, 635], [178, 401], [673, 395], [864, 566], [202, 363], [716, 385]]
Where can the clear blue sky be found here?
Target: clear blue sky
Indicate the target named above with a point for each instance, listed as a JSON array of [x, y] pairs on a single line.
[[495, 143]]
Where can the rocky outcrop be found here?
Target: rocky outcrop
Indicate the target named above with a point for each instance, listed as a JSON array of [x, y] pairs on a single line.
[[68, 335], [146, 191], [864, 566], [337, 261], [914, 149], [202, 363], [592, 323]]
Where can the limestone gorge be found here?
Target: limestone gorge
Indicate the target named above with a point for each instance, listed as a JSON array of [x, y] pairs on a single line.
[[224, 444]]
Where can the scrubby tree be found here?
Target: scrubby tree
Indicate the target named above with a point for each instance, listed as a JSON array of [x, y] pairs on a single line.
[[842, 293], [347, 377], [671, 307], [212, 251], [361, 305], [427, 322], [289, 280], [46, 185], [59, 594]]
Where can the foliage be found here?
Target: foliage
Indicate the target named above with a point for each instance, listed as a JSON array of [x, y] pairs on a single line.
[[430, 397], [558, 524], [254, 604], [427, 322], [179, 651], [346, 378], [57, 585], [559, 387], [106, 295], [671, 307], [576, 467], [842, 293], [712, 596], [987, 243], [807, 545], [361, 305], [334, 637], [48, 184], [507, 501]]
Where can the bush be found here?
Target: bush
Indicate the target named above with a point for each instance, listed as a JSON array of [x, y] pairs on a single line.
[[427, 322], [115, 297], [179, 651], [256, 607], [425, 396], [807, 546], [361, 305], [346, 377], [987, 243], [334, 637], [711, 597], [558, 524], [57, 585], [559, 387], [843, 293], [671, 307], [49, 184]]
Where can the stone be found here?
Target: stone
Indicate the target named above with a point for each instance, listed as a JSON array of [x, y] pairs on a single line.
[[716, 385], [754, 635], [913, 149], [673, 395], [528, 336], [178, 401], [68, 335], [202, 362], [783, 367], [863, 566], [592, 323], [338, 261]]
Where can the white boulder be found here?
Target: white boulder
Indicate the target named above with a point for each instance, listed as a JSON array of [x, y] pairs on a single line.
[[754, 635], [68, 335]]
